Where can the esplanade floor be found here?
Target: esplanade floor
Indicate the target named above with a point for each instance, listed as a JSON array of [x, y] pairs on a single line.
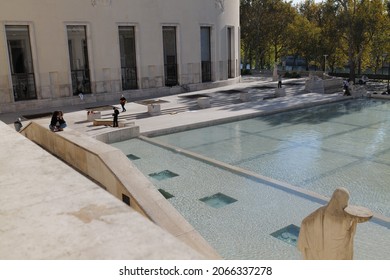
[[178, 112], [181, 110]]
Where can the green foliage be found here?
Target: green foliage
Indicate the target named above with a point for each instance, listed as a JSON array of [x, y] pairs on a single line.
[[264, 30], [348, 32]]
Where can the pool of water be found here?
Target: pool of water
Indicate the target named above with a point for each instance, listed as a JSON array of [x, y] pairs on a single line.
[[345, 144], [318, 149]]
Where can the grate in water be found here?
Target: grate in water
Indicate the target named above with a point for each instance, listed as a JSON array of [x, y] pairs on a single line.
[[218, 200], [166, 174], [230, 91], [260, 87], [194, 96], [132, 157], [166, 194], [288, 234]]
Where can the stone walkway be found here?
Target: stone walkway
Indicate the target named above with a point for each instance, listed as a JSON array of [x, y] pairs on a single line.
[[179, 112]]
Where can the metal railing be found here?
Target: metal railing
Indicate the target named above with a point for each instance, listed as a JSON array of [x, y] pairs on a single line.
[[230, 73], [170, 74], [81, 82], [206, 71], [129, 78], [24, 86]]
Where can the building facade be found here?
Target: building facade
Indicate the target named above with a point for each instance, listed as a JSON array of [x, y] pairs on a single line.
[[51, 51]]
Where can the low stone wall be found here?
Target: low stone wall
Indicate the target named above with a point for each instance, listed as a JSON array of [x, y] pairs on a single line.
[[118, 134], [325, 86], [333, 85], [379, 96], [358, 91], [110, 168]]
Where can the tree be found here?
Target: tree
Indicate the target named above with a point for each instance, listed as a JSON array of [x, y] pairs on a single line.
[[321, 32], [253, 35], [264, 28], [279, 15], [360, 21], [330, 37], [303, 39], [353, 32]]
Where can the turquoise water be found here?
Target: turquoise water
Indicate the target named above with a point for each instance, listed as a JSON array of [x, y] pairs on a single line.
[[344, 144]]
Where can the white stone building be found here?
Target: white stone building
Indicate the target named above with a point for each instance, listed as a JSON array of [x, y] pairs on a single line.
[[52, 50]]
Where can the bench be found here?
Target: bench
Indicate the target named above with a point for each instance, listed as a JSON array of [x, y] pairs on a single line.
[[109, 122]]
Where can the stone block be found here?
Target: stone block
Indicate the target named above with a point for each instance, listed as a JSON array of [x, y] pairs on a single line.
[[154, 109], [65, 90], [47, 92], [314, 84], [245, 96], [204, 102], [358, 91], [333, 85], [92, 115], [280, 92]]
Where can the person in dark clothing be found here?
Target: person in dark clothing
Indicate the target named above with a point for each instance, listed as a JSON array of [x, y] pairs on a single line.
[[57, 122], [346, 84], [53, 121], [115, 115], [280, 81], [61, 120], [122, 101]]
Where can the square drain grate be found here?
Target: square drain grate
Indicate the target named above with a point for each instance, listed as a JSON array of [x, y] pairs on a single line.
[[288, 234], [151, 101], [218, 200], [165, 194], [132, 157], [166, 174]]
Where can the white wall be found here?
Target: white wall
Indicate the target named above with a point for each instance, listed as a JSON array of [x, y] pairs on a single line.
[[48, 19]]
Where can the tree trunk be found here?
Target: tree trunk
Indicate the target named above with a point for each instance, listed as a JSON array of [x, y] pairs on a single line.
[[352, 63]]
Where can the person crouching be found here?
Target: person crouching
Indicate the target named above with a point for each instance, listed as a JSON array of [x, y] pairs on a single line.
[[57, 122]]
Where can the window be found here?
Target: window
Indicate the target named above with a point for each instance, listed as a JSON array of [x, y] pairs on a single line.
[[205, 53], [78, 55], [128, 57], [21, 64], [170, 55], [230, 52]]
